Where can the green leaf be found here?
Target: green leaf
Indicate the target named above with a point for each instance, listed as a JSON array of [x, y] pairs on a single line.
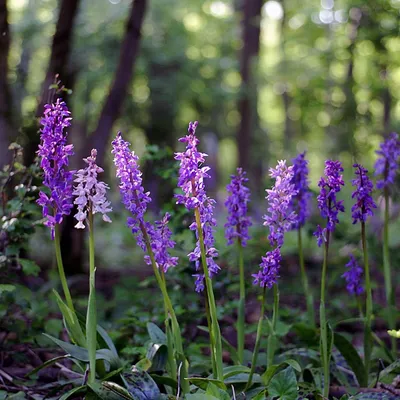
[[259, 396], [331, 337], [157, 355], [202, 383], [107, 340], [352, 358], [29, 267], [242, 378], [164, 380], [214, 390], [284, 385], [392, 368], [71, 321], [112, 374], [144, 364], [46, 364], [156, 334], [303, 353], [141, 385], [234, 370], [110, 391], [273, 369], [81, 354], [5, 288], [72, 392]]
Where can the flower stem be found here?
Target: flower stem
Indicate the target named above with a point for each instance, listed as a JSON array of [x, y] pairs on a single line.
[[168, 330], [91, 318], [307, 292], [60, 266], [271, 345], [174, 322], [211, 333], [368, 305], [258, 340], [390, 300], [241, 306], [211, 302], [325, 356]]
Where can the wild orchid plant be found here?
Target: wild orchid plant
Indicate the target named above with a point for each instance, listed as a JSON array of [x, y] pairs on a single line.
[[155, 241], [279, 220], [57, 200], [91, 199], [301, 204], [54, 153], [329, 207], [361, 210], [288, 209], [237, 230], [194, 197]]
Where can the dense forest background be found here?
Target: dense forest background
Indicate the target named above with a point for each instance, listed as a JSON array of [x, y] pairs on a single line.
[[265, 79]]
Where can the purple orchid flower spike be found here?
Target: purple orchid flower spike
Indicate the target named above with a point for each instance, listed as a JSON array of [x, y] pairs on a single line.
[[54, 153], [238, 222], [191, 181], [328, 204]]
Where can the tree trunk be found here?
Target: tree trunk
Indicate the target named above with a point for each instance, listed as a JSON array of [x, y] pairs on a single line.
[[58, 65], [248, 98], [60, 50], [5, 95], [123, 75], [72, 238]]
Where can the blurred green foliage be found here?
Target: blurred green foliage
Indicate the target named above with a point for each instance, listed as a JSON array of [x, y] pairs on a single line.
[[327, 76]]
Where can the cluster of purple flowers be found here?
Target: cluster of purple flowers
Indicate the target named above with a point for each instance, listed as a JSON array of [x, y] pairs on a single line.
[[327, 202], [279, 220], [288, 200], [161, 242], [281, 217], [300, 201], [191, 181], [135, 200], [353, 277], [364, 201], [238, 222], [54, 153], [91, 194], [268, 274], [387, 163]]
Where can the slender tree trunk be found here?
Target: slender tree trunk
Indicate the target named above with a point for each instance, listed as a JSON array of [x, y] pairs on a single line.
[[123, 75], [73, 251], [60, 50], [5, 95], [248, 58], [58, 65]]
